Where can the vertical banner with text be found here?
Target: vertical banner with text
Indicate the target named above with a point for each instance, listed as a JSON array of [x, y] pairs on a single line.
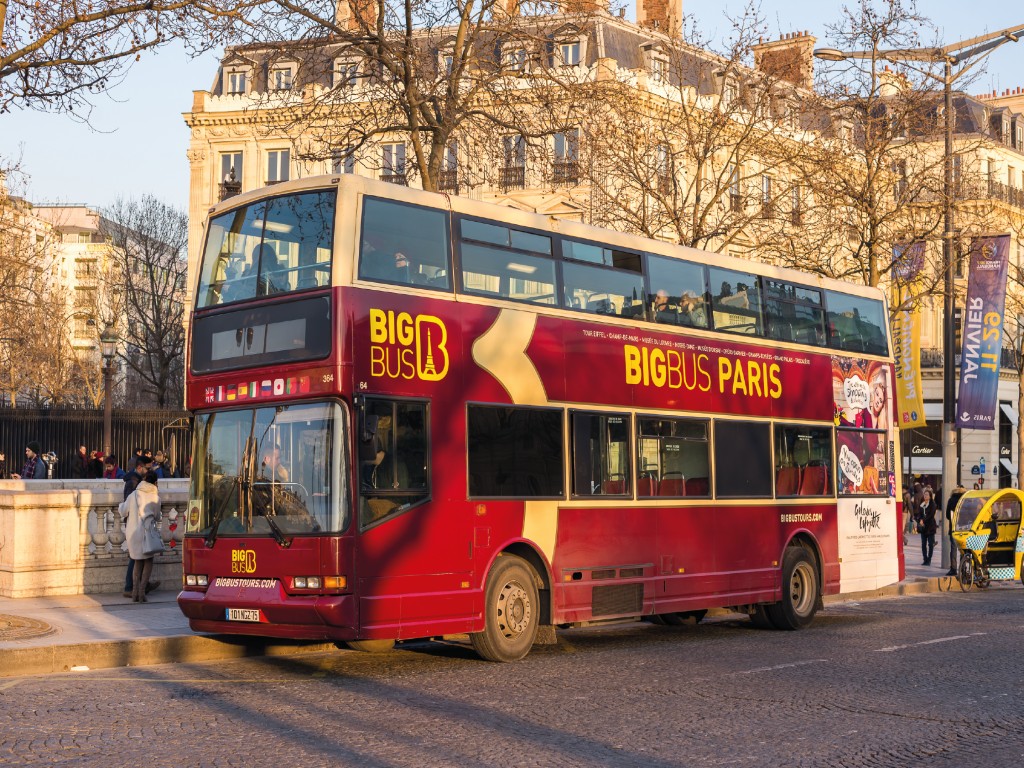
[[983, 333], [906, 334]]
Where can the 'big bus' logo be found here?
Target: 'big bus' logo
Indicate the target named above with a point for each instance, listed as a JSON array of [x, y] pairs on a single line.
[[243, 561], [403, 346]]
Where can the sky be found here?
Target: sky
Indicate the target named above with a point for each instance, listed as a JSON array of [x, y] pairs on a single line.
[[135, 140]]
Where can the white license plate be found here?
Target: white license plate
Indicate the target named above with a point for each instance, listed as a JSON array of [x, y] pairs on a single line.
[[243, 614]]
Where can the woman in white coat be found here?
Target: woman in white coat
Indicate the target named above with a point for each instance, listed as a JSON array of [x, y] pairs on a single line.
[[142, 504]]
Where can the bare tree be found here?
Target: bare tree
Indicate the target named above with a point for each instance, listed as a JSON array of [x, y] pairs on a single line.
[[691, 151], [875, 177], [423, 74], [56, 54], [148, 240]]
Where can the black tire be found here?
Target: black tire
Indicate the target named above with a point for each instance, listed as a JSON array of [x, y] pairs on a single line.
[[965, 571], [371, 646], [511, 611], [759, 618], [800, 587]]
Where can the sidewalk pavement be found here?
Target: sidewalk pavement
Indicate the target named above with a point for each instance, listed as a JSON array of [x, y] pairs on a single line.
[[44, 635]]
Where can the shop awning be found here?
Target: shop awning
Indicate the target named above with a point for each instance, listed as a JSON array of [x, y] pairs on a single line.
[[923, 465], [1009, 466], [1009, 413]]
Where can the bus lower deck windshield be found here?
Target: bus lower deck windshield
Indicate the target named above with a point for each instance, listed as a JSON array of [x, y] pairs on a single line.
[[273, 471]]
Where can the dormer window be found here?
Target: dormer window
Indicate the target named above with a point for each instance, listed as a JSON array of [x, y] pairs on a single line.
[[730, 93], [1020, 135], [346, 73], [570, 53], [447, 64], [1006, 131], [515, 57], [236, 81], [280, 78], [659, 68]]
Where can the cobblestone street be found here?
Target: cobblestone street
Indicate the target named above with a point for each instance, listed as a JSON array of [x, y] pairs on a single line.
[[918, 680]]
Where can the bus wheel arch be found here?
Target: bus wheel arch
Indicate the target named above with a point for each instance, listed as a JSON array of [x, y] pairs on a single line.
[[512, 609], [542, 575]]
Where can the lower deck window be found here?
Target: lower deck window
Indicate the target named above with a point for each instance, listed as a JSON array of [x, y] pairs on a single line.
[[802, 461], [514, 452], [600, 444], [743, 451], [672, 457]]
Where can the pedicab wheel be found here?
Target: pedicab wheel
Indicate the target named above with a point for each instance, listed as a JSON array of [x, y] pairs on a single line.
[[945, 583], [511, 611], [965, 572]]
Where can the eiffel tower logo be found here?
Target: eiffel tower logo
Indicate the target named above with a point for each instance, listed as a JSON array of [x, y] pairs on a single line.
[[429, 368]]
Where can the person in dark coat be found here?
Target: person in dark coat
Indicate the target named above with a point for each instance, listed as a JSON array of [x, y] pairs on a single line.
[[80, 464], [96, 465], [927, 524], [34, 467]]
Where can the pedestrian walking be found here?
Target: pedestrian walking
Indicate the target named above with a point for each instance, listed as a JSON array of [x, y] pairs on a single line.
[[908, 512], [926, 525], [141, 510], [34, 467]]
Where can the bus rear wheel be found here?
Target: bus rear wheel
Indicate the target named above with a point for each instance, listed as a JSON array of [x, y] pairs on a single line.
[[511, 604], [800, 588]]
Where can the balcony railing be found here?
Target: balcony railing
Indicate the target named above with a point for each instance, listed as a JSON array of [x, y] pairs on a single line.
[[394, 178], [1006, 193], [448, 181], [512, 177], [933, 358], [565, 172]]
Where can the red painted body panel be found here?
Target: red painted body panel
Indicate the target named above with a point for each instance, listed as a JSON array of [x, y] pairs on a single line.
[[422, 572]]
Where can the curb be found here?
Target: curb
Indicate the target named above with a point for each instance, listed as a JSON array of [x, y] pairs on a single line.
[[80, 657], [180, 649]]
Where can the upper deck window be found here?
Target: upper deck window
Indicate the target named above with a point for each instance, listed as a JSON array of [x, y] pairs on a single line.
[[678, 292], [404, 244], [517, 265], [736, 301], [794, 313], [856, 324], [273, 246]]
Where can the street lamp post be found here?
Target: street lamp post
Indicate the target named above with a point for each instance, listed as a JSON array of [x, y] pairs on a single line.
[[966, 53], [108, 346]]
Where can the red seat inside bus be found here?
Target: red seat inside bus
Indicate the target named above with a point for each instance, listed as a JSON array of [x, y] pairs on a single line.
[[787, 481], [697, 486], [814, 481], [672, 484], [613, 487], [647, 485]]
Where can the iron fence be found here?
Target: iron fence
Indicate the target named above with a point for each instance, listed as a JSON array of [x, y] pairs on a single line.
[[62, 430]]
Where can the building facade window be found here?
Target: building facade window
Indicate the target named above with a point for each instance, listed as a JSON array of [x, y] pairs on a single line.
[[278, 164], [796, 205], [735, 192], [281, 79], [237, 81], [663, 167], [566, 165], [393, 163], [231, 164], [513, 171], [516, 58], [449, 179], [766, 196], [343, 160], [569, 51], [346, 74]]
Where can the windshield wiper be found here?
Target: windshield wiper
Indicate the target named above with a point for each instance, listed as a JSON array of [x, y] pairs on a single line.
[[276, 530], [218, 515]]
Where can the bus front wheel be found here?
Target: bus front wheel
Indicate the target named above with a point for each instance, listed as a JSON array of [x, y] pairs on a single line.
[[799, 600], [511, 604]]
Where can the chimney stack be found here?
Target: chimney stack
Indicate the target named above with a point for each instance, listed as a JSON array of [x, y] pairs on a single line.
[[666, 16], [349, 13], [790, 58]]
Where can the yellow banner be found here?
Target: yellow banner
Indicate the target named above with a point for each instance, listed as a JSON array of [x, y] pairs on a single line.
[[906, 334]]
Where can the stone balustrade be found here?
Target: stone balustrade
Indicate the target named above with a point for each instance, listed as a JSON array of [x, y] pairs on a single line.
[[65, 537]]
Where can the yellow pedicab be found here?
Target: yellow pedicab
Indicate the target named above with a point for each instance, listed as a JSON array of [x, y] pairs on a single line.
[[987, 532]]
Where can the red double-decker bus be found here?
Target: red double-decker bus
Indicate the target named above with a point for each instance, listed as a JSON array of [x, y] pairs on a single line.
[[418, 415]]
